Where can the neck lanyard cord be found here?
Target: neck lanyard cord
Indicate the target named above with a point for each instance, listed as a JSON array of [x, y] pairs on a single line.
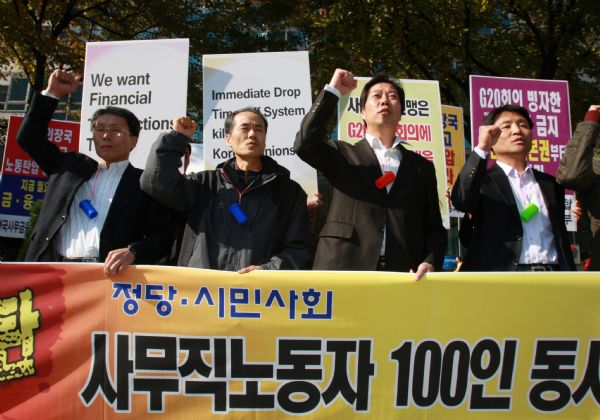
[[95, 183]]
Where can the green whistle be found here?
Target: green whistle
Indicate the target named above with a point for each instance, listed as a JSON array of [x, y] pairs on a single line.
[[528, 213]]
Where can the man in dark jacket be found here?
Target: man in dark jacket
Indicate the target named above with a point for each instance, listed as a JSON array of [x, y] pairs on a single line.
[[517, 212], [384, 212], [245, 215], [93, 211]]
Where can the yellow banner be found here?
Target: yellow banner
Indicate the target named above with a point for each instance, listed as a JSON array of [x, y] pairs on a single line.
[[193, 343]]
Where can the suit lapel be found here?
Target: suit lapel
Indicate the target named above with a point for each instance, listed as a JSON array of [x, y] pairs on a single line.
[[406, 167], [368, 165], [547, 188], [501, 180], [127, 188]]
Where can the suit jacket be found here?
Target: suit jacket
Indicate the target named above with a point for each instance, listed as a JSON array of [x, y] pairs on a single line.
[[353, 233], [134, 220], [497, 232]]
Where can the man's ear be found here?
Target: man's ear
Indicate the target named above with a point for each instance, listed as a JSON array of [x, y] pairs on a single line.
[[134, 140], [227, 139]]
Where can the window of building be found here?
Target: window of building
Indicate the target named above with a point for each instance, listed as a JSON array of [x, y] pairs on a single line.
[[14, 96], [17, 94], [3, 94]]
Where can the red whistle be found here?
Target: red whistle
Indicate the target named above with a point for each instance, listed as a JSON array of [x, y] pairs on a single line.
[[385, 179]]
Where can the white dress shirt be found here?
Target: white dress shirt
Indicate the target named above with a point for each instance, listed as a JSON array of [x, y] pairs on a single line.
[[389, 161], [79, 237]]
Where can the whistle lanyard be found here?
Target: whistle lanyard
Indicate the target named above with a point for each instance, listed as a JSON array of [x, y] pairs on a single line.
[[523, 194], [103, 186], [95, 183], [388, 159], [240, 193], [235, 209], [386, 163]]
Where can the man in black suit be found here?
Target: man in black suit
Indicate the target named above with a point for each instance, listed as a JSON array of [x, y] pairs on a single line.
[[384, 212], [93, 211], [517, 212]]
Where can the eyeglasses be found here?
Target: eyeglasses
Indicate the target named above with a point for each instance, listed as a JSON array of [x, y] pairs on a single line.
[[113, 132]]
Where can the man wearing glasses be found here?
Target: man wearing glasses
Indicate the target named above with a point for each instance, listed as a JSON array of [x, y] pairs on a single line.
[[93, 211]]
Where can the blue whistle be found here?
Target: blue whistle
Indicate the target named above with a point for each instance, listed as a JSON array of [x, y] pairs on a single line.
[[88, 208], [237, 212]]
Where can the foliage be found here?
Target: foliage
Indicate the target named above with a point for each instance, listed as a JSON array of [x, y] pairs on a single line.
[[445, 40], [41, 35], [222, 27], [34, 212]]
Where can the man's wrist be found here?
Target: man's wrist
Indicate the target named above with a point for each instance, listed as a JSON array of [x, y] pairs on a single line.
[[49, 94], [483, 154], [333, 90], [133, 249]]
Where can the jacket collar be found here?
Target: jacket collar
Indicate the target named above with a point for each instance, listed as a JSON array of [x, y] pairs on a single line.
[[547, 187], [270, 170], [499, 178], [368, 165]]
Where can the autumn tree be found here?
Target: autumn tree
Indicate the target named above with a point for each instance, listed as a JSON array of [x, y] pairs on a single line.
[[445, 40], [448, 40], [222, 27], [41, 35]]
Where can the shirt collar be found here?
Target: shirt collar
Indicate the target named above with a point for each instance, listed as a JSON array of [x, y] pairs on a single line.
[[120, 166], [512, 172], [376, 144]]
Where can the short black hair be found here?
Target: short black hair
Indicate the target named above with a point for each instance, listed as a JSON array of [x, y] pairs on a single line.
[[229, 124], [133, 123], [381, 78], [493, 115]]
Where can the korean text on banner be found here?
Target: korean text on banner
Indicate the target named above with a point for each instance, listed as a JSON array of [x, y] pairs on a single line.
[[454, 143], [194, 343], [22, 181]]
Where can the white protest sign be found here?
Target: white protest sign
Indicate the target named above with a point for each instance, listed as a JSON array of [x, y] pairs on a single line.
[[276, 83], [149, 78]]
